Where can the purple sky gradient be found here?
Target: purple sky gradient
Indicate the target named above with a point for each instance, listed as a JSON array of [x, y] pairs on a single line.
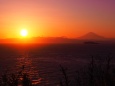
[[82, 15]]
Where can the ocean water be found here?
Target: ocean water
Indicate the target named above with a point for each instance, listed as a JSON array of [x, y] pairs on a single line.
[[42, 61]]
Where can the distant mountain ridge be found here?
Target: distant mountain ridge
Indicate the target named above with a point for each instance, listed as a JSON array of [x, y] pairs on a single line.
[[91, 36]]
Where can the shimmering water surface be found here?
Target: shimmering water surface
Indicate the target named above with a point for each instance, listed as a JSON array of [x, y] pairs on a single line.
[[42, 61]]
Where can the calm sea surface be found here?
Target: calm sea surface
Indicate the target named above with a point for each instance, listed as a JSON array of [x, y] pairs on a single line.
[[42, 61]]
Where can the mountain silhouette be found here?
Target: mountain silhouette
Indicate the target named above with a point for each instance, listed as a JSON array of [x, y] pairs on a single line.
[[91, 36]]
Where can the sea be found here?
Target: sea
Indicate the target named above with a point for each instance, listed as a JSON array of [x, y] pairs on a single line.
[[43, 62]]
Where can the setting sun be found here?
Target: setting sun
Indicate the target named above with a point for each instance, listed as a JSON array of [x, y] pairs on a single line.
[[24, 32]]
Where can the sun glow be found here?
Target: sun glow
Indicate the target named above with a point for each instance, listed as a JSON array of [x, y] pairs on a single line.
[[23, 32]]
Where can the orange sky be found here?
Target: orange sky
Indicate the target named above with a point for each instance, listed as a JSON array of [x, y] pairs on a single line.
[[70, 18]]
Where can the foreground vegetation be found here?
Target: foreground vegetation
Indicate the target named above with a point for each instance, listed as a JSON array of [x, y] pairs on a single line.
[[18, 79], [94, 75], [97, 74]]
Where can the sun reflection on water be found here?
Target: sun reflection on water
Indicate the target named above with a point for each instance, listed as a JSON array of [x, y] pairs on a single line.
[[25, 62]]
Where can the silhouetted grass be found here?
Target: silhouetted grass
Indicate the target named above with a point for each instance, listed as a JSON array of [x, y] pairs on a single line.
[[66, 79], [94, 75], [16, 79]]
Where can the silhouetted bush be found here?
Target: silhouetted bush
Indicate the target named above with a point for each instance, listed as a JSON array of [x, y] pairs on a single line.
[[94, 75], [15, 79]]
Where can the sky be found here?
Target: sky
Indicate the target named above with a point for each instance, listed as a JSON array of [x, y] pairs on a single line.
[[56, 18]]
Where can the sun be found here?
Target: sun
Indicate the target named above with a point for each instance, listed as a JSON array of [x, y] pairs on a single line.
[[23, 32]]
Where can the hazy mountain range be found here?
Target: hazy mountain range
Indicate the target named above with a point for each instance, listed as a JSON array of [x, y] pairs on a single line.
[[91, 36], [87, 37]]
